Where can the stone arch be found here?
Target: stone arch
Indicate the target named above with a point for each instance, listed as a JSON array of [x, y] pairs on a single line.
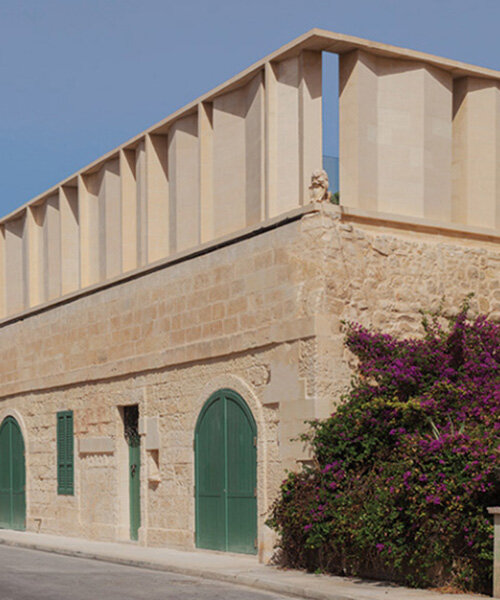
[[15, 414], [11, 412]]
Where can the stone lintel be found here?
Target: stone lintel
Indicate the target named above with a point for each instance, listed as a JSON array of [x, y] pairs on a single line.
[[96, 445]]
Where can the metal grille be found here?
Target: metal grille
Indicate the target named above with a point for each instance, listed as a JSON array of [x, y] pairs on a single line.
[[131, 421]]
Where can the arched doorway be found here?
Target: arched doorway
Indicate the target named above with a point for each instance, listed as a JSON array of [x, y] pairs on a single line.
[[226, 475], [12, 476]]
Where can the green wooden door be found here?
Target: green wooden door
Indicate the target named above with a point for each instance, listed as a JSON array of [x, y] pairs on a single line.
[[241, 477], [135, 489], [12, 476], [131, 424], [226, 475]]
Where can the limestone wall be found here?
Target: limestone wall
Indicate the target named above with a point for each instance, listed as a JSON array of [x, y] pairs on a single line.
[[230, 299], [260, 315], [235, 317], [172, 398]]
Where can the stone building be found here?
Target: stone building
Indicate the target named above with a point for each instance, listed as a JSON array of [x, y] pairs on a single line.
[[171, 314]]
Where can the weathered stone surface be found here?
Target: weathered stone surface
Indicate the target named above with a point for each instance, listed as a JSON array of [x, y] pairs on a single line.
[[95, 445], [262, 316]]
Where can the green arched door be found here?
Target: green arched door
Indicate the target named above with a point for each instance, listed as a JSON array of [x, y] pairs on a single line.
[[12, 476], [226, 475]]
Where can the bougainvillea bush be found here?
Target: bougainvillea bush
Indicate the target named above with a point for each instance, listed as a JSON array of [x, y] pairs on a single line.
[[407, 465]]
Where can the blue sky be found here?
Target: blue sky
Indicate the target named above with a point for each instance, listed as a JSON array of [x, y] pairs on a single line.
[[79, 77]]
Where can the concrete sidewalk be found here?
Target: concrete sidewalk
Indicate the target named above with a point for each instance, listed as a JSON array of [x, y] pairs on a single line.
[[231, 568]]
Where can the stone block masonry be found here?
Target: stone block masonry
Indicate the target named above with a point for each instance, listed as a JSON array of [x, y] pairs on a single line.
[[260, 315]]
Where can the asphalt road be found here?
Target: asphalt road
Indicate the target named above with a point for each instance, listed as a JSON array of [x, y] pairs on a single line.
[[33, 575]]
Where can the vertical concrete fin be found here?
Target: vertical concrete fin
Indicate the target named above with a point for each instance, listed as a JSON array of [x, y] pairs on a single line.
[[205, 141], [128, 190], [358, 132], [70, 238], [35, 256], [229, 162], [15, 264], [437, 144], [142, 208], [90, 238], [52, 248], [110, 209], [271, 140], [460, 151], [184, 184], [476, 152], [156, 148], [310, 119], [255, 150], [288, 177]]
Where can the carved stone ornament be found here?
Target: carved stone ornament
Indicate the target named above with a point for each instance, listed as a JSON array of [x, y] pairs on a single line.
[[318, 190]]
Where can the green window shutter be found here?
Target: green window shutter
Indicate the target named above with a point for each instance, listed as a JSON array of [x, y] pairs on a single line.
[[61, 471], [65, 452]]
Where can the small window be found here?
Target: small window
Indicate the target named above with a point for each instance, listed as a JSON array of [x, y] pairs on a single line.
[[65, 452]]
